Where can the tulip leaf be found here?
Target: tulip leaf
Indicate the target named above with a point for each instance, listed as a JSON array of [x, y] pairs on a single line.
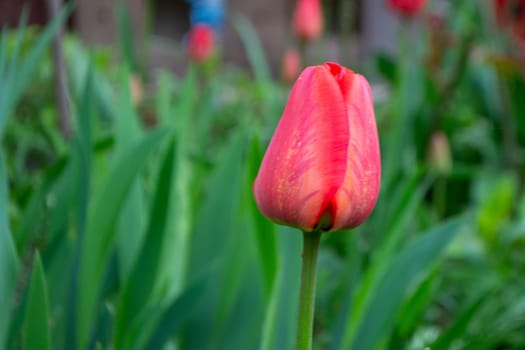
[[101, 227], [395, 218], [223, 239], [174, 253], [281, 313], [16, 72], [141, 280], [175, 314], [460, 324], [376, 316], [33, 211], [9, 263], [264, 229], [130, 227], [253, 47], [36, 324]]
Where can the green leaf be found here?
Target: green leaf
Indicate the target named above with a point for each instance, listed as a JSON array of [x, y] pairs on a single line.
[[132, 218], [414, 308], [127, 47], [100, 233], [174, 316], [19, 71], [264, 229], [395, 215], [460, 325], [32, 213], [281, 316], [140, 284], [174, 253], [215, 242], [253, 47], [9, 263], [36, 324], [377, 313]]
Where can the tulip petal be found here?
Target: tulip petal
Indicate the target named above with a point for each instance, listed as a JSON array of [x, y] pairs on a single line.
[[355, 199], [305, 163]]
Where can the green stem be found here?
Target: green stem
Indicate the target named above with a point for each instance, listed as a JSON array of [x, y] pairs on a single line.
[[307, 297]]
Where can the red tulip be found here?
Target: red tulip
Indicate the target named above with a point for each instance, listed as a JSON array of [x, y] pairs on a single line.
[[511, 14], [407, 7], [291, 65], [518, 19], [201, 43], [322, 168], [500, 7], [308, 20]]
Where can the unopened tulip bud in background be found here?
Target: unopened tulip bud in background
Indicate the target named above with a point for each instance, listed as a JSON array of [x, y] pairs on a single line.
[[407, 8], [307, 20], [201, 43], [439, 157], [291, 65], [322, 168]]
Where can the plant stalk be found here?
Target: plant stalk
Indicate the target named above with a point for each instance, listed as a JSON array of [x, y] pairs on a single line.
[[307, 294]]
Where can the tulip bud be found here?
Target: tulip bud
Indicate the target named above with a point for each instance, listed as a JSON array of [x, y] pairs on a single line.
[[518, 19], [439, 153], [291, 65], [201, 43], [322, 168], [407, 7], [137, 90], [308, 20], [500, 6]]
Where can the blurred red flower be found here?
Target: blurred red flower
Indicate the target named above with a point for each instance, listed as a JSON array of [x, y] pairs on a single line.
[[201, 43], [291, 65], [308, 20], [407, 7], [510, 14]]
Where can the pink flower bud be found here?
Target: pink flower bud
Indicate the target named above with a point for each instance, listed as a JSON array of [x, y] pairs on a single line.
[[201, 43], [308, 20], [439, 157], [322, 168], [291, 65], [407, 7]]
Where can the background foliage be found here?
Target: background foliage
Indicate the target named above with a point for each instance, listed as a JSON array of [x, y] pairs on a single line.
[[140, 232]]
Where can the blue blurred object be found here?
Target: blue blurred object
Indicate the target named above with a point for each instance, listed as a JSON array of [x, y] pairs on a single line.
[[211, 12]]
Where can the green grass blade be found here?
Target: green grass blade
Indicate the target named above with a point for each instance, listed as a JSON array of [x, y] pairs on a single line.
[[81, 160], [36, 324], [4, 88], [281, 316], [10, 77], [180, 113], [460, 325], [396, 217], [9, 263], [33, 211], [175, 315], [264, 229], [132, 219], [253, 47], [128, 52], [138, 287], [19, 39], [100, 233], [3, 55], [386, 298], [23, 70], [212, 243]]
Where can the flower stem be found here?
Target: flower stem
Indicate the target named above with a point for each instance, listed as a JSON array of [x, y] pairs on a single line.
[[307, 297]]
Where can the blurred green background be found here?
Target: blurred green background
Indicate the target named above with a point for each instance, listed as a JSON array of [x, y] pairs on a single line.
[[133, 225]]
